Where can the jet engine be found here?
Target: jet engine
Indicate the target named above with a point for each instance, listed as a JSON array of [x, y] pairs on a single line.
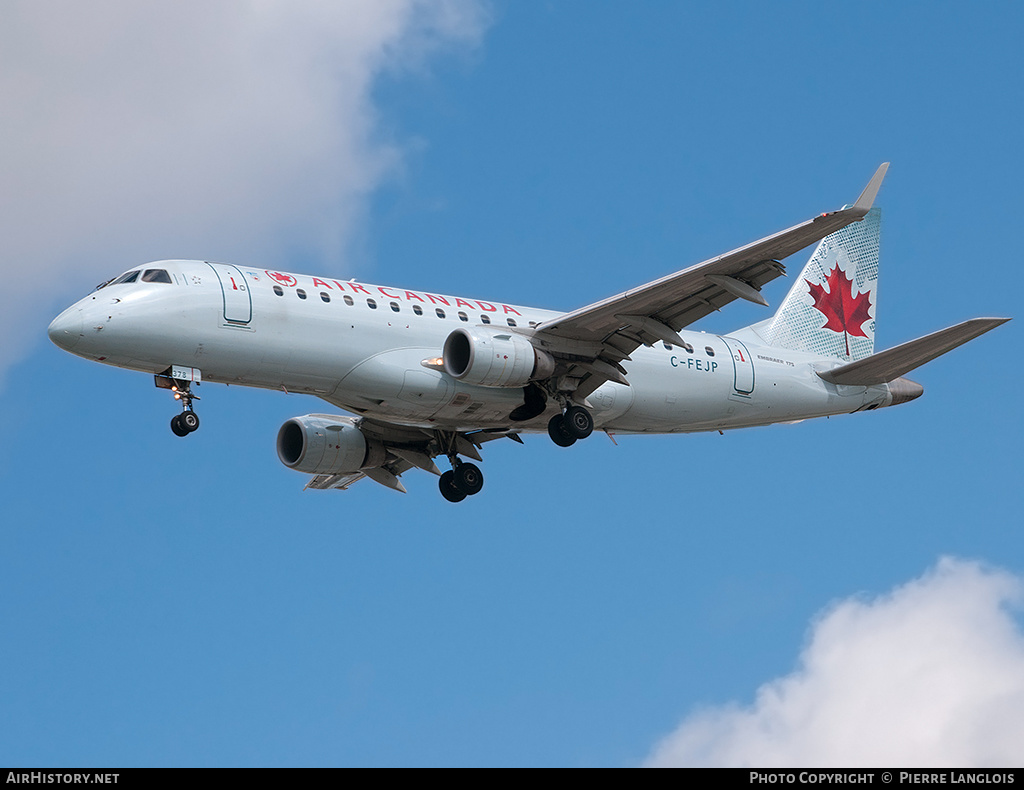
[[492, 357], [325, 444]]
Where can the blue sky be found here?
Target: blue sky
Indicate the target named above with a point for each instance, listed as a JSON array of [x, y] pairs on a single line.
[[169, 602]]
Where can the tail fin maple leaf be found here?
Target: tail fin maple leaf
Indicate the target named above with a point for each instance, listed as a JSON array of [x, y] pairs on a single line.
[[843, 311]]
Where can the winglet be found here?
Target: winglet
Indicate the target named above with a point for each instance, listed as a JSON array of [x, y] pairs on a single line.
[[867, 197]]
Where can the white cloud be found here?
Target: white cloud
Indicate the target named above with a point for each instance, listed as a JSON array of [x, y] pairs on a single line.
[[931, 674], [236, 131]]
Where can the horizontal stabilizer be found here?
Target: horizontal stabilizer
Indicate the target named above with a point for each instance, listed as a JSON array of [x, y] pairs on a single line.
[[895, 362]]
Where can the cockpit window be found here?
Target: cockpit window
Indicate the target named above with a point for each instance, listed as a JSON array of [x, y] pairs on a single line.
[[127, 277], [156, 276]]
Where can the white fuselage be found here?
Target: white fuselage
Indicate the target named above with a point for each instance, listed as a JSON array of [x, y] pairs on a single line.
[[360, 347]]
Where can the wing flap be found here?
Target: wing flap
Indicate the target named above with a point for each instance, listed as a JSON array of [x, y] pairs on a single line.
[[340, 482], [889, 365]]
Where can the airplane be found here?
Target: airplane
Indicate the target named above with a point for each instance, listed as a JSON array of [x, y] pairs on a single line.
[[424, 375]]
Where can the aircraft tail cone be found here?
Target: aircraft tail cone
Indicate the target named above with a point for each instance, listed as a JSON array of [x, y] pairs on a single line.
[[904, 390]]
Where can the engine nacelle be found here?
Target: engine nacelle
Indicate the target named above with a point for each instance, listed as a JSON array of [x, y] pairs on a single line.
[[492, 357], [325, 444]]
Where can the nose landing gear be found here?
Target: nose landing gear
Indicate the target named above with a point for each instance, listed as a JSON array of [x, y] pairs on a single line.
[[188, 421]]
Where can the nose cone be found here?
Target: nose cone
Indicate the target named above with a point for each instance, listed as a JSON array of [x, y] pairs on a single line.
[[903, 390], [66, 329]]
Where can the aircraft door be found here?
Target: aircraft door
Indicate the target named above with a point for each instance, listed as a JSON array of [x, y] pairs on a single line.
[[743, 367], [237, 299]]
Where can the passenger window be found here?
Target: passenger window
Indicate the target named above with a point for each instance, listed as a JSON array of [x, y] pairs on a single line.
[[300, 293], [417, 309], [463, 316], [279, 290], [511, 322], [348, 300], [710, 350], [325, 296], [394, 306], [371, 304], [156, 276], [485, 319], [440, 312]]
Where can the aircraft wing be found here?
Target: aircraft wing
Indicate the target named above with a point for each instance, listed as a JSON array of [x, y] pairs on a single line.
[[407, 448], [658, 310]]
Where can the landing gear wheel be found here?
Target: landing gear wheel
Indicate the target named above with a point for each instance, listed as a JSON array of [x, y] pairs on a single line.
[[558, 432], [468, 479], [189, 420], [448, 489], [177, 427], [578, 422]]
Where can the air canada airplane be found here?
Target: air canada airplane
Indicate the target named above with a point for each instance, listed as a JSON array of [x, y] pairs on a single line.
[[424, 375]]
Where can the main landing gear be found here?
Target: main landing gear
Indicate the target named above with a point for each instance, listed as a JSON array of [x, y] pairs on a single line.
[[574, 423], [463, 480]]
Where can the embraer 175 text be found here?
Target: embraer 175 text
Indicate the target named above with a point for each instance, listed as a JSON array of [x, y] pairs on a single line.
[[430, 375]]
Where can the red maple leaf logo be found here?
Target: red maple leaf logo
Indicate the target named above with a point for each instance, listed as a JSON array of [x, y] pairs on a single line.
[[844, 312], [284, 279]]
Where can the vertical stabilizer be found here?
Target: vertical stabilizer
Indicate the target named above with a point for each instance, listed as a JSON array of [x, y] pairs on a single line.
[[832, 306]]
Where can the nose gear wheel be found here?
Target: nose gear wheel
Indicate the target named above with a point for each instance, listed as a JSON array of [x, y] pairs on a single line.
[[183, 424]]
